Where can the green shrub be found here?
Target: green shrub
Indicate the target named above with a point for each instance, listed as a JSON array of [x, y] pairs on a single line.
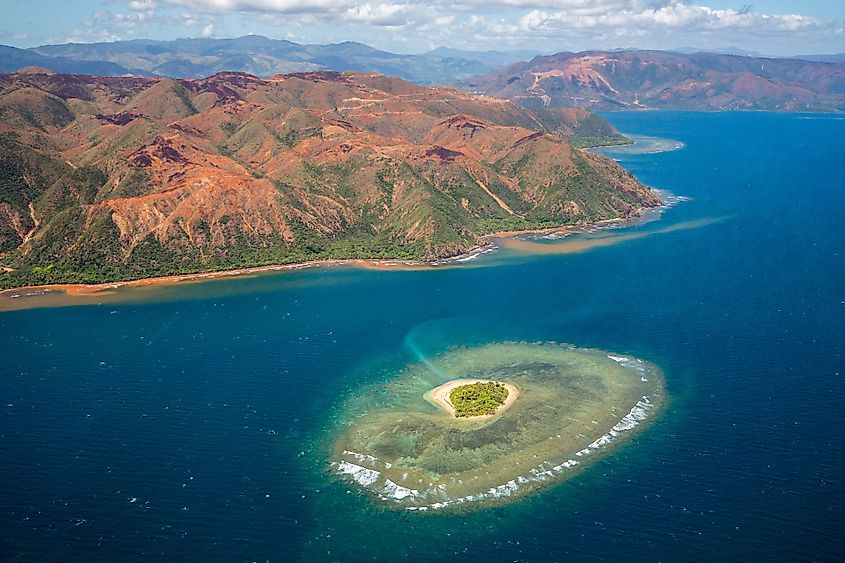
[[478, 399]]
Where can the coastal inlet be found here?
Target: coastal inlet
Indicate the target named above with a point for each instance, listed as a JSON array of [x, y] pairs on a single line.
[[566, 407]]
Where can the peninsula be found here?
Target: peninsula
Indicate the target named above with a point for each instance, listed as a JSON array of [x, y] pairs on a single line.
[[108, 179]]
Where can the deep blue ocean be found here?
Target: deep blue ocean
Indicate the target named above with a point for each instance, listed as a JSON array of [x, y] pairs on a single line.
[[190, 422]]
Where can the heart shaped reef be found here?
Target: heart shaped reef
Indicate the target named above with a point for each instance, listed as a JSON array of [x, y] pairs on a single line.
[[522, 415]]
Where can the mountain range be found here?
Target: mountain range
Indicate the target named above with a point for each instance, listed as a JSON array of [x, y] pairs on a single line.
[[254, 54], [110, 170], [606, 80], [110, 178], [611, 80]]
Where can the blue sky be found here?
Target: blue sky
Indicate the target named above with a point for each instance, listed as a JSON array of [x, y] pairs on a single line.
[[776, 27]]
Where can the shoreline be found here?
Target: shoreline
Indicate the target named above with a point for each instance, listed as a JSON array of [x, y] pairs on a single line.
[[17, 298], [439, 397], [487, 245], [77, 289]]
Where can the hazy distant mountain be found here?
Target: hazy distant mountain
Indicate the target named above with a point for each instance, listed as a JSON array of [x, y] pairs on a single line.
[[720, 51], [659, 79], [12, 59], [261, 56], [494, 59], [600, 79], [834, 58]]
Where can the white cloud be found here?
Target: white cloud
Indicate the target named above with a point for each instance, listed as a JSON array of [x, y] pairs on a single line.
[[267, 6], [539, 13], [208, 30], [189, 20], [142, 5], [670, 15], [380, 14], [538, 24], [660, 24]]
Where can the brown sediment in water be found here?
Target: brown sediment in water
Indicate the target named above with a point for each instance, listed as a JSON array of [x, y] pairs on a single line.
[[20, 297], [59, 295], [604, 239], [56, 295]]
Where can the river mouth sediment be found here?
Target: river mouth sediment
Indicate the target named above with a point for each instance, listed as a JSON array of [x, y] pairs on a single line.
[[574, 405]]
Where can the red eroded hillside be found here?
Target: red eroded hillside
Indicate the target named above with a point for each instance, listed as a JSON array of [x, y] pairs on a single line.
[[659, 79], [118, 178]]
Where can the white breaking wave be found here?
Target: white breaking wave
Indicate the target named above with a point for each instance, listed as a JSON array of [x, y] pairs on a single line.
[[398, 492], [545, 471], [636, 365], [361, 475], [371, 459], [473, 255]]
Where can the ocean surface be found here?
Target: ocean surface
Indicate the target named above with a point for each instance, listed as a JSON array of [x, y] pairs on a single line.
[[192, 422]]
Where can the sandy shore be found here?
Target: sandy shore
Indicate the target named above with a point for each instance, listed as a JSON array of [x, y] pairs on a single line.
[[77, 289], [86, 289], [371, 264], [25, 297], [105, 288], [439, 397]]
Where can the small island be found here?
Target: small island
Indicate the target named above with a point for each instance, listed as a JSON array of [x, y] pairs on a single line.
[[473, 398], [478, 399], [519, 416]]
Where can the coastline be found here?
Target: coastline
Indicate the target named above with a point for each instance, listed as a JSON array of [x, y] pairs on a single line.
[[76, 289], [439, 397], [24, 297]]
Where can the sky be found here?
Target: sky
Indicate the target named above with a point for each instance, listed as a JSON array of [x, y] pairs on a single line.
[[771, 27]]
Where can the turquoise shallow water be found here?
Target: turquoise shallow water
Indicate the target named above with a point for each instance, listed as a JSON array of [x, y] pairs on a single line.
[[191, 422]]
